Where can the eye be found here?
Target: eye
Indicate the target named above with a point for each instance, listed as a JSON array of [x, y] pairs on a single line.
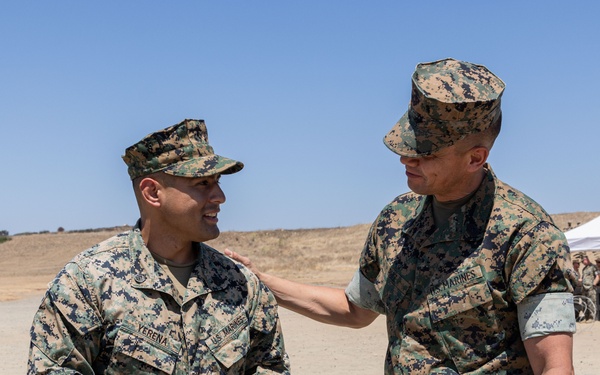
[[206, 181], [202, 182]]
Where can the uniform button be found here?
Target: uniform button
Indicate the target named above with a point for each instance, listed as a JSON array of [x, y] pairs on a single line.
[[139, 278]]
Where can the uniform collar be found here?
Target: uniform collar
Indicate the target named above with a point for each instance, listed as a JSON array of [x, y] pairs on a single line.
[[213, 271]]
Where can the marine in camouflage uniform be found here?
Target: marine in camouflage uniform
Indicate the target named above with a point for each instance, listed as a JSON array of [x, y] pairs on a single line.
[[461, 294], [589, 280], [114, 309], [573, 275]]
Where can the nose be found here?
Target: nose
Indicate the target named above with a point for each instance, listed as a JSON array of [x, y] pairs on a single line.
[[408, 161], [217, 195]]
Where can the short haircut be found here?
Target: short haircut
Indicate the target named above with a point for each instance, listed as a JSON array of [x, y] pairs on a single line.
[[484, 138]]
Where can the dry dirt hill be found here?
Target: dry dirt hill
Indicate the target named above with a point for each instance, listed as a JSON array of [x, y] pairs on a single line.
[[321, 256]]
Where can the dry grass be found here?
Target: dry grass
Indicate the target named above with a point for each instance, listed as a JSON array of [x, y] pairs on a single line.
[[322, 256], [574, 219], [29, 262], [327, 256]]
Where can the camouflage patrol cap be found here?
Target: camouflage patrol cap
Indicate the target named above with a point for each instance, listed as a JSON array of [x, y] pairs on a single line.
[[179, 150], [450, 99]]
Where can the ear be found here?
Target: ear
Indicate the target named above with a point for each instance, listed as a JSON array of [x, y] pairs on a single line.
[[149, 189], [477, 157]]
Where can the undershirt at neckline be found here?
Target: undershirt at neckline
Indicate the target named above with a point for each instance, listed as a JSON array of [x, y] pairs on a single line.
[[443, 210], [179, 273]]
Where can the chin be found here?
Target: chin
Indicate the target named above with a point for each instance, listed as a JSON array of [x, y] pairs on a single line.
[[209, 236], [417, 190]]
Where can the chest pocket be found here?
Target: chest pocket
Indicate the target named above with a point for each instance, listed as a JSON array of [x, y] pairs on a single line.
[[459, 293], [231, 343], [143, 351], [462, 312]]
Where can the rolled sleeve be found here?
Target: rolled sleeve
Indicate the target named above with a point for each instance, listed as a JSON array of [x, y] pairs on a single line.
[[543, 314], [361, 292]]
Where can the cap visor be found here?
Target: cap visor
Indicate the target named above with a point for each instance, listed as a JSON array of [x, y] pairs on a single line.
[[205, 166]]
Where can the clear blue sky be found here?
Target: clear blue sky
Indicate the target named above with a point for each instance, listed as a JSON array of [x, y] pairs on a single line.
[[301, 91]]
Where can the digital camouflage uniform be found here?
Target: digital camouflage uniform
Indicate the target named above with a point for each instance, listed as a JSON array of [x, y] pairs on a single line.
[[587, 287], [113, 310], [451, 294]]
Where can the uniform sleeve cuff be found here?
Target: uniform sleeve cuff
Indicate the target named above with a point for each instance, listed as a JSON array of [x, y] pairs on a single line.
[[543, 314], [361, 292]]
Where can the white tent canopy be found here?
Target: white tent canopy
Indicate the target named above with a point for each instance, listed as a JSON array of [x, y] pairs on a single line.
[[585, 237]]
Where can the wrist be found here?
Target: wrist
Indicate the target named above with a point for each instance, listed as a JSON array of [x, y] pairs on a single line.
[[264, 277]]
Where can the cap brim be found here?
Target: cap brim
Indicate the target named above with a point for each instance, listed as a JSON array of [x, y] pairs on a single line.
[[404, 140], [204, 167], [414, 136]]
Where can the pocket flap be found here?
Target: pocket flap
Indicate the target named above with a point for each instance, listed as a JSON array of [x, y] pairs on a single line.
[[461, 292], [231, 343], [140, 348]]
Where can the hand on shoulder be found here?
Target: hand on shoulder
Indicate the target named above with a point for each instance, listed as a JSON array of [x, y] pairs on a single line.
[[244, 260]]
